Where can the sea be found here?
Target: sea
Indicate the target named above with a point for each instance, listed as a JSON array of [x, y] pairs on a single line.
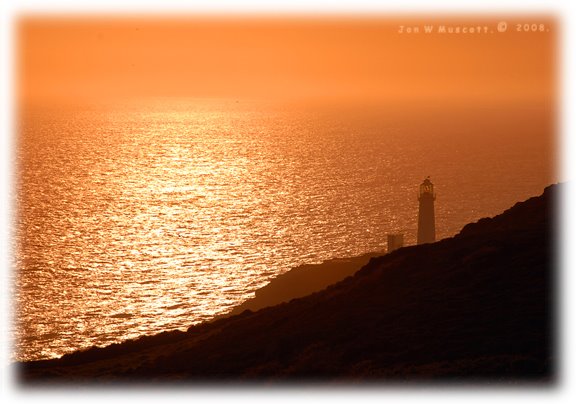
[[139, 217]]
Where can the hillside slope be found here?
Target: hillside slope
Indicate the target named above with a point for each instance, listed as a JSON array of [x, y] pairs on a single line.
[[302, 281], [475, 307]]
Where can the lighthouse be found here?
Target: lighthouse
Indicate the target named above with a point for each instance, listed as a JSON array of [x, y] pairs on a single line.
[[426, 222]]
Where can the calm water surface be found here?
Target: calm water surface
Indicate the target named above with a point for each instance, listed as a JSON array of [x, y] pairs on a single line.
[[138, 219]]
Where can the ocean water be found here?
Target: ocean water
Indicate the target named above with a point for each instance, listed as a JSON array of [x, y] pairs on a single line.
[[140, 218]]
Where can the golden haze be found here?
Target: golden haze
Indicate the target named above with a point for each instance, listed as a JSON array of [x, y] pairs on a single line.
[[102, 58]]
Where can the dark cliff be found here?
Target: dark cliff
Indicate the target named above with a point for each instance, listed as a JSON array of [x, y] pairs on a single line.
[[475, 307], [303, 280]]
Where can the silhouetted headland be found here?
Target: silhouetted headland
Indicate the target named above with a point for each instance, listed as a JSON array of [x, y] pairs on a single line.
[[477, 307], [303, 280]]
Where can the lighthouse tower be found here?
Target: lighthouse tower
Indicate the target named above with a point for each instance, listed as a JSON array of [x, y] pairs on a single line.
[[426, 222]]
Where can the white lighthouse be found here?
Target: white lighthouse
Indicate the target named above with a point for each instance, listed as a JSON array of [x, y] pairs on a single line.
[[426, 221]]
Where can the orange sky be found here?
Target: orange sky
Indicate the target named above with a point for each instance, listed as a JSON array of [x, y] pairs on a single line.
[[89, 58]]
